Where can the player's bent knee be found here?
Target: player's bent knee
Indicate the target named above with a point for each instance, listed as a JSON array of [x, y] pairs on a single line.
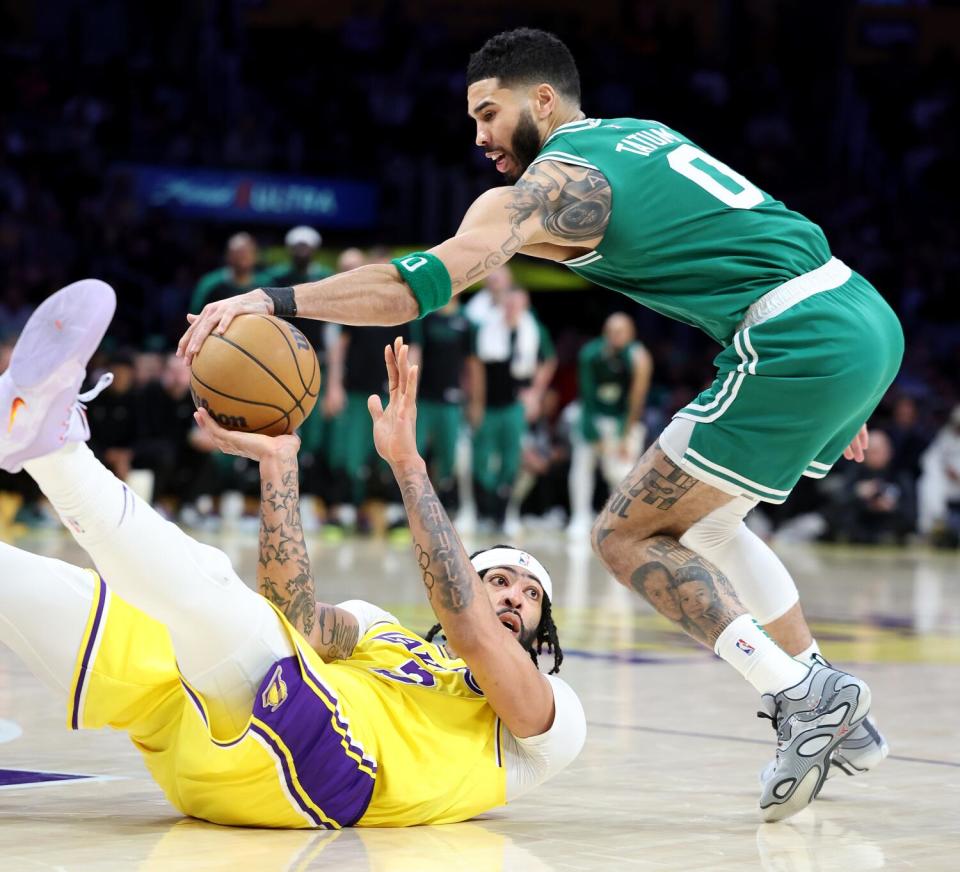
[[719, 527]]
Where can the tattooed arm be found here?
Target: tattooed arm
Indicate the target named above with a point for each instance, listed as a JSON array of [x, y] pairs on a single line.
[[283, 568], [513, 686], [555, 210]]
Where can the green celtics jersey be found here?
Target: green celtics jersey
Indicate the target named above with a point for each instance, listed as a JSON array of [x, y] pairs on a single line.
[[688, 236], [604, 380]]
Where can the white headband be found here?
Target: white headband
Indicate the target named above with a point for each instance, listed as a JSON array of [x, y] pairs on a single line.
[[515, 557]]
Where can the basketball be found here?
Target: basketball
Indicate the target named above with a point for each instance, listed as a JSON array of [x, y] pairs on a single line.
[[260, 376]]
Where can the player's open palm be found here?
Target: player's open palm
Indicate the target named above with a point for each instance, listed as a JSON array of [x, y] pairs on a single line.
[[395, 428], [255, 446]]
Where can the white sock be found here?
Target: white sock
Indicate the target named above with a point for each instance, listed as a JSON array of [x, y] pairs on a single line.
[[759, 659], [806, 655]]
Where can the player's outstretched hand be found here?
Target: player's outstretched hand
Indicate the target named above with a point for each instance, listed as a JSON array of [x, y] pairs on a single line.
[[855, 450], [216, 317], [395, 428], [256, 446]]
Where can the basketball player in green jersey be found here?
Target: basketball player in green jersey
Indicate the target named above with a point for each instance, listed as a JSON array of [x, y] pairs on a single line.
[[613, 375], [809, 347]]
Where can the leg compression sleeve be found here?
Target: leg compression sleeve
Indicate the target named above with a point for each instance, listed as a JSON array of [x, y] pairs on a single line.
[[760, 579]]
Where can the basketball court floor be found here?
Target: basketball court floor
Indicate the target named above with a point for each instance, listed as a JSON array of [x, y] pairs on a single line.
[[669, 776]]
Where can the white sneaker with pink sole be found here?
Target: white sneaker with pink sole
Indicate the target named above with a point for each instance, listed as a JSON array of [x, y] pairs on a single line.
[[40, 402]]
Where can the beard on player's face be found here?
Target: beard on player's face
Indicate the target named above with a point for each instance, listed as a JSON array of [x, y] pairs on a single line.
[[524, 145]]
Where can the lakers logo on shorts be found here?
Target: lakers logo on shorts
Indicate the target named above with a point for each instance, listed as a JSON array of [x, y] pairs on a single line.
[[275, 693]]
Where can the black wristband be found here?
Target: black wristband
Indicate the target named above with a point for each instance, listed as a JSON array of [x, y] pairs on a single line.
[[284, 304]]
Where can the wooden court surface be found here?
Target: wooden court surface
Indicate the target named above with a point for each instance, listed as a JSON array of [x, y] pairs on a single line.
[[668, 778]]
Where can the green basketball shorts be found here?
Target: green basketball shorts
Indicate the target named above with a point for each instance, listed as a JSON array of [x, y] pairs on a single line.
[[804, 371]]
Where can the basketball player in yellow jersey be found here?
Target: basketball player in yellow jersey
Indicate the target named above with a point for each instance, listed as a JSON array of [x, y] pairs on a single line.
[[285, 713]]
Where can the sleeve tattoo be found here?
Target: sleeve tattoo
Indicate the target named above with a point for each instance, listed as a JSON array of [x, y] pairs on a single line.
[[571, 203], [447, 573], [283, 571]]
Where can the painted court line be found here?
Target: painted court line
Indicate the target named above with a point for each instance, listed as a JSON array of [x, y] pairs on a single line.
[[722, 738]]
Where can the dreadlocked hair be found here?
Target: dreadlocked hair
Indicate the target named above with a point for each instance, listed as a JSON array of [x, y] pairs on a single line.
[[546, 638]]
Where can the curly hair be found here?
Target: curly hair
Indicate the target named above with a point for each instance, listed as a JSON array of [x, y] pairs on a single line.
[[546, 637], [526, 56]]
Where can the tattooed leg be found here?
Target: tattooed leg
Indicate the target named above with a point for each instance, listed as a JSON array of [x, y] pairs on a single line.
[[685, 588], [636, 538]]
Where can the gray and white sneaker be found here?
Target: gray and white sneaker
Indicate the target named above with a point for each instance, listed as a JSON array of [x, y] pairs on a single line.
[[811, 718], [864, 748]]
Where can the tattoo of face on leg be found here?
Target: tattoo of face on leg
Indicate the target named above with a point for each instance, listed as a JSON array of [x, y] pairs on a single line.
[[685, 588]]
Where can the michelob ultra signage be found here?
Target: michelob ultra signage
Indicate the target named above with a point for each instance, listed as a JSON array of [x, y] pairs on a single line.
[[223, 195]]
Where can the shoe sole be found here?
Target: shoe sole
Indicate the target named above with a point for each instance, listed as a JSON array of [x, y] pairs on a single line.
[[841, 762], [67, 325], [812, 782]]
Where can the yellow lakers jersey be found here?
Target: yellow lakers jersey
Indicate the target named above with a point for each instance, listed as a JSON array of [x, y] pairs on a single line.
[[436, 739], [398, 734]]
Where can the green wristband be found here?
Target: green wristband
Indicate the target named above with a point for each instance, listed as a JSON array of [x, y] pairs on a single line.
[[428, 278]]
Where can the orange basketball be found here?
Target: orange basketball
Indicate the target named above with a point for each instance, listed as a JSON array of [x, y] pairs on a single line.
[[261, 376]]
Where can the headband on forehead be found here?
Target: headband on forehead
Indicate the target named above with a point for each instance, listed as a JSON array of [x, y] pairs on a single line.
[[515, 557]]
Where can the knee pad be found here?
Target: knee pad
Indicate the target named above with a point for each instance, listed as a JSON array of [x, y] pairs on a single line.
[[760, 579]]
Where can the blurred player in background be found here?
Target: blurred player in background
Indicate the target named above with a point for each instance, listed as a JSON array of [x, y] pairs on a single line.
[[303, 243], [274, 710], [809, 349], [614, 373], [452, 383], [236, 276], [518, 360]]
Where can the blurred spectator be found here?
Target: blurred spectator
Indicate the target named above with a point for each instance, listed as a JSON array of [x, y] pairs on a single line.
[[181, 473], [237, 277], [873, 502], [939, 485], [302, 243], [491, 295], [908, 436], [148, 368], [114, 416]]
